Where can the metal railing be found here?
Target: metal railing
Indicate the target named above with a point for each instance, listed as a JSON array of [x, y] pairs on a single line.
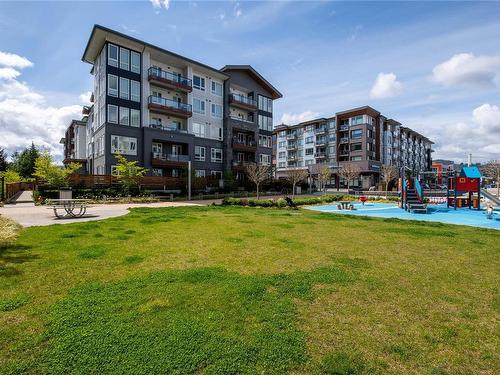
[[169, 103], [320, 130], [169, 128], [242, 119], [243, 99], [176, 78], [170, 157], [343, 127], [250, 143]]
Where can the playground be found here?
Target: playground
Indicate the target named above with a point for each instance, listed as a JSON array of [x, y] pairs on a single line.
[[462, 204]]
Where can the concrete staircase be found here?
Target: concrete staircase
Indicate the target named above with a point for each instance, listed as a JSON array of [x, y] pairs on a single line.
[[23, 196], [414, 204]]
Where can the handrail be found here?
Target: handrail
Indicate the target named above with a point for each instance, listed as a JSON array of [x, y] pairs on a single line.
[[158, 72], [418, 189], [169, 103], [243, 99]]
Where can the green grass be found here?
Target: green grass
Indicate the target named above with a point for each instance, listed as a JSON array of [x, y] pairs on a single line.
[[225, 290]]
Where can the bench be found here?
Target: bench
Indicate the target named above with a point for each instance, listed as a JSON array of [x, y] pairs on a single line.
[[72, 208]]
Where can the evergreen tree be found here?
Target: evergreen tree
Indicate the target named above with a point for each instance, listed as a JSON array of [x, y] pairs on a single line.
[[24, 162], [3, 160]]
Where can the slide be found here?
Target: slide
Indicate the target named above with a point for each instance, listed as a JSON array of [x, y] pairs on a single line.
[[491, 197]]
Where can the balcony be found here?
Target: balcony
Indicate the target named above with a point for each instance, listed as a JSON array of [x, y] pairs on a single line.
[[321, 130], [245, 120], [241, 165], [344, 128], [291, 136], [320, 155], [320, 142], [248, 146], [292, 146], [168, 128], [344, 140], [292, 157], [243, 102], [168, 160], [169, 80], [169, 107]]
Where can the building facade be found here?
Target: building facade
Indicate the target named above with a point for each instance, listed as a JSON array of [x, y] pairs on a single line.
[[165, 110], [74, 142], [360, 136]]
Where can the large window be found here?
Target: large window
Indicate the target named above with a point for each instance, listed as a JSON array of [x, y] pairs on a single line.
[[265, 104], [357, 120], [216, 155], [112, 114], [124, 59], [112, 85], [135, 91], [199, 153], [216, 88], [135, 60], [199, 130], [112, 55], [199, 173], [124, 116], [356, 134], [356, 147], [309, 151], [135, 118], [265, 159], [198, 82], [124, 88], [123, 145], [265, 123], [199, 106], [265, 141], [217, 174], [310, 139], [216, 110]]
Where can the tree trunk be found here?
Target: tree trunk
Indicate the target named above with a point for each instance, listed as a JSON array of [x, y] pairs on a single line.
[[498, 188], [293, 190], [257, 191], [386, 189]]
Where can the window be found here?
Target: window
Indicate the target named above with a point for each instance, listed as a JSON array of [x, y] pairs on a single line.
[[123, 145], [282, 164], [198, 82], [356, 134], [217, 174], [157, 172], [216, 155], [199, 130], [112, 55], [124, 58], [265, 104], [199, 173], [265, 123], [310, 139], [124, 116], [356, 158], [112, 85], [199, 106], [135, 91], [357, 120], [309, 128], [282, 144], [309, 151], [309, 162], [124, 89], [135, 60], [356, 147], [216, 110], [282, 155], [265, 141], [216, 88], [112, 114], [369, 147], [135, 118], [265, 159], [199, 153]]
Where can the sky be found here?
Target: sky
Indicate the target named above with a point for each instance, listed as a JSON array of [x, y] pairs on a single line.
[[433, 66]]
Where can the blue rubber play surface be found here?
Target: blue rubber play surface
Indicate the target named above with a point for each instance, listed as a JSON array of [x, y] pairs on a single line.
[[439, 213]]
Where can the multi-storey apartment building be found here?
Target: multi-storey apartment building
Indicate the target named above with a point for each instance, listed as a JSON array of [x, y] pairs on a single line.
[[361, 136], [74, 142], [165, 110]]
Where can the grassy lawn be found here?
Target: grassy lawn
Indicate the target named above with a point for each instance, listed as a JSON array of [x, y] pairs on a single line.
[[213, 290]]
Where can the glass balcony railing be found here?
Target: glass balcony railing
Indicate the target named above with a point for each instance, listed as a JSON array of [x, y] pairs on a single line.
[[320, 130], [248, 120], [344, 127], [170, 128], [169, 103], [169, 76], [249, 143], [243, 99], [170, 157]]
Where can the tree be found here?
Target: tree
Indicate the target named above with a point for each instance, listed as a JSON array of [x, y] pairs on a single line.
[[257, 173], [128, 172], [296, 176], [324, 175], [387, 174], [3, 160], [492, 170], [24, 162], [348, 172], [51, 173]]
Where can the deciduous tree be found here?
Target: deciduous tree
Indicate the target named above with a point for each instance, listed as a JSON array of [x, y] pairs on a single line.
[[324, 175], [257, 173], [492, 170], [53, 174], [296, 176], [387, 174], [128, 172], [349, 171]]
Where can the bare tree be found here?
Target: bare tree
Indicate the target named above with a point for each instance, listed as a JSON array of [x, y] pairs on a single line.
[[324, 175], [348, 172], [387, 174], [296, 176], [492, 170], [257, 173]]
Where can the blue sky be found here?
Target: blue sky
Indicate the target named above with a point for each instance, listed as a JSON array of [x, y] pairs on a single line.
[[434, 67]]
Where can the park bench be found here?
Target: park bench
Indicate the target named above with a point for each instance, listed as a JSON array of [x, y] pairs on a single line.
[[68, 208]]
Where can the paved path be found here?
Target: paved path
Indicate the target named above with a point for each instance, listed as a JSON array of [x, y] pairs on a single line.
[[29, 215]]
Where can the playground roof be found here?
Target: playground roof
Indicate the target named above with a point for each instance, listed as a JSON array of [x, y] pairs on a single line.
[[470, 172]]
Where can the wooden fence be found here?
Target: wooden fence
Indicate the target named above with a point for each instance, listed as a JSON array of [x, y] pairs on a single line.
[[13, 188]]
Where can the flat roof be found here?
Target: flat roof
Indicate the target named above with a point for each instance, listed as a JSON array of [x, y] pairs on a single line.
[[274, 91], [99, 36]]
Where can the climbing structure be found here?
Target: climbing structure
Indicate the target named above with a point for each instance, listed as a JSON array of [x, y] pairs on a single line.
[[464, 190], [412, 196]]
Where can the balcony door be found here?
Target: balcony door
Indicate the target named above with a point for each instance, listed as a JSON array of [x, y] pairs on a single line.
[[176, 150], [157, 148]]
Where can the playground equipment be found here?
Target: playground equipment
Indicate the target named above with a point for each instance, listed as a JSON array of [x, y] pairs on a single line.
[[491, 197], [412, 196], [463, 187]]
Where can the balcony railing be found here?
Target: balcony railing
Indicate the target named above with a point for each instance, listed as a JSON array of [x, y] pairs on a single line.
[[243, 100], [170, 78], [344, 140], [291, 136], [320, 142], [170, 157], [170, 128], [170, 106], [320, 130], [249, 121], [320, 155], [243, 163], [292, 146], [343, 127]]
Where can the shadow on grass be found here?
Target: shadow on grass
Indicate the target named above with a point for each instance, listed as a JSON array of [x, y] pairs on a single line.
[[12, 255]]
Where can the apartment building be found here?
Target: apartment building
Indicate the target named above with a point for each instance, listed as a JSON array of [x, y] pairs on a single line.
[[74, 142], [165, 110], [361, 136]]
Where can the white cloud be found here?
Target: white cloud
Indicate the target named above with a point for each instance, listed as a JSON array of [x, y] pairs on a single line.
[[13, 60], [25, 118], [8, 73], [386, 85], [467, 69], [295, 118], [487, 116], [85, 97], [158, 4]]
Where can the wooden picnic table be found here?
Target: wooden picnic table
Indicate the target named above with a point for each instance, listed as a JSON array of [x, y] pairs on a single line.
[[72, 207]]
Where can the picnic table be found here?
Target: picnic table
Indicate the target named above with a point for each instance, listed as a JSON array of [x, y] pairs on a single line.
[[72, 208], [345, 205]]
